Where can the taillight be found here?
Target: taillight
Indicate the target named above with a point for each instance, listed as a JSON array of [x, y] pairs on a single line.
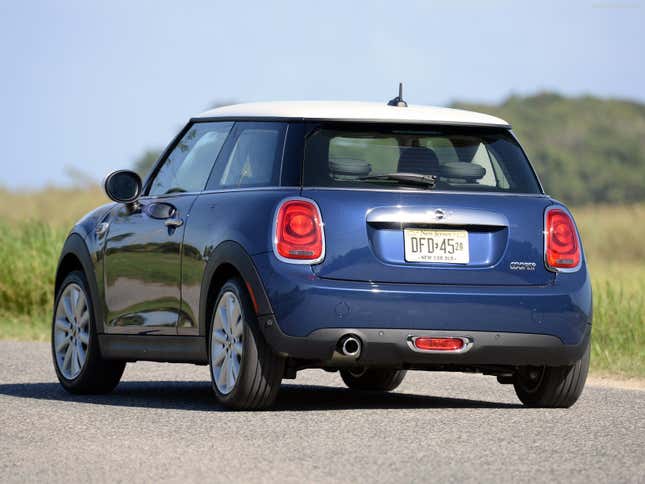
[[299, 234], [562, 246]]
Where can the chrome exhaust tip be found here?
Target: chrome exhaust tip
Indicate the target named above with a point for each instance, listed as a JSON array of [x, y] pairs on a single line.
[[350, 345]]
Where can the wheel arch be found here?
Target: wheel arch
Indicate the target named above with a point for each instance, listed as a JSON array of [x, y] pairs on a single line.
[[76, 256], [229, 260]]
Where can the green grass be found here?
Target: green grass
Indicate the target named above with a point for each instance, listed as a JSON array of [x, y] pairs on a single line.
[[23, 327], [28, 256], [612, 236], [618, 334]]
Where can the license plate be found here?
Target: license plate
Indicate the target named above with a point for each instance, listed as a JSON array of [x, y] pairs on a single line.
[[445, 246]]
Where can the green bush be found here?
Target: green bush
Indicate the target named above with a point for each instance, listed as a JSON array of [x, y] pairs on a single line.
[[584, 149]]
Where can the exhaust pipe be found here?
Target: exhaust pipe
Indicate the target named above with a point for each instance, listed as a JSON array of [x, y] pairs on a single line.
[[350, 345]]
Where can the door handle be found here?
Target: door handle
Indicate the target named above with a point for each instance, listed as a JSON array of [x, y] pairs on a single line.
[[173, 222]]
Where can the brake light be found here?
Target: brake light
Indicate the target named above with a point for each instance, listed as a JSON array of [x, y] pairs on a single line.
[[438, 344], [562, 246], [299, 234]]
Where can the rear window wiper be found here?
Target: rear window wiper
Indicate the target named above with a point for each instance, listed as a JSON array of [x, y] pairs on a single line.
[[428, 181]]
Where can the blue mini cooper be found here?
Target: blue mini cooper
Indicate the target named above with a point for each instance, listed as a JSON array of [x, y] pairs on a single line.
[[364, 238]]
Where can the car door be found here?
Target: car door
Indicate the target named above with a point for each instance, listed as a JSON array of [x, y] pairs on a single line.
[[142, 259], [237, 206]]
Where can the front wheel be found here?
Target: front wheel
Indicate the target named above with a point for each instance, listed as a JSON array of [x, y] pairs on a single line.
[[372, 379], [245, 372], [552, 387], [79, 366]]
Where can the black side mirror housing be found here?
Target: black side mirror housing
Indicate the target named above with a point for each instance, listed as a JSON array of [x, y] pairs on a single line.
[[123, 186]]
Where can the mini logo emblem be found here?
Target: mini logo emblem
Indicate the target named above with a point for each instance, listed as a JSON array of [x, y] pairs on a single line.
[[522, 266], [439, 214]]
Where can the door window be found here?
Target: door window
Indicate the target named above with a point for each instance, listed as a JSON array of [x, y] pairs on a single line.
[[254, 158], [188, 165]]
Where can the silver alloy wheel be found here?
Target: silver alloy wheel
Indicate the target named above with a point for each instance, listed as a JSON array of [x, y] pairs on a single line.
[[227, 342], [71, 331]]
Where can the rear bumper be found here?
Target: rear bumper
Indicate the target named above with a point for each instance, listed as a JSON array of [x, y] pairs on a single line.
[[303, 304], [390, 348]]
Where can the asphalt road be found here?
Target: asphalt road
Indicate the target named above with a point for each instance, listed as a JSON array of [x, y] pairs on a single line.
[[162, 423]]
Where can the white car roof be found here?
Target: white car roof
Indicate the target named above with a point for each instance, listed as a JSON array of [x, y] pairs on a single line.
[[354, 111]]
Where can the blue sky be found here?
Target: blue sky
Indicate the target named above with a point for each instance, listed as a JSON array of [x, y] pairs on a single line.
[[91, 84]]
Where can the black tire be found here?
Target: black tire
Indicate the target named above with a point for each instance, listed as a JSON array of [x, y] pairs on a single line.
[[260, 371], [552, 387], [373, 379], [97, 375]]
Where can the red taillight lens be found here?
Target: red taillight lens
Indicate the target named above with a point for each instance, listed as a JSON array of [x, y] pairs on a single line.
[[299, 231], [439, 344], [562, 244]]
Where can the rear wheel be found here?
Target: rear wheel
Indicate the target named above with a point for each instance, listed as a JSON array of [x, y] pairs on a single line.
[[552, 387], [372, 379], [245, 372], [75, 348]]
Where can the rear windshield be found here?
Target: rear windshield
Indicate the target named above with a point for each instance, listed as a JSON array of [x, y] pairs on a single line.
[[461, 159]]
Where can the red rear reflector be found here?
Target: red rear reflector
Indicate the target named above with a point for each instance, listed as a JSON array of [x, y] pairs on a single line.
[[299, 231], [562, 247], [439, 344]]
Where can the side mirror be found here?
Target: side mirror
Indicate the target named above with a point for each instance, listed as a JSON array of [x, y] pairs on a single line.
[[123, 186]]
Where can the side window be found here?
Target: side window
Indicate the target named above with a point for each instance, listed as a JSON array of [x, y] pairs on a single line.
[[253, 159], [188, 165]]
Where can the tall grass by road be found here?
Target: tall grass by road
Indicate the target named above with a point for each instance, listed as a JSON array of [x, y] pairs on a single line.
[[33, 228], [614, 241]]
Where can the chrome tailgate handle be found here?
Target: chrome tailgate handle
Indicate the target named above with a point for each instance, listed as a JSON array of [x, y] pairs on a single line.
[[441, 216]]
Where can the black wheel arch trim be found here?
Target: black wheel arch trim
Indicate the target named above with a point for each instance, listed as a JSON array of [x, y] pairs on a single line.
[[233, 254], [75, 245]]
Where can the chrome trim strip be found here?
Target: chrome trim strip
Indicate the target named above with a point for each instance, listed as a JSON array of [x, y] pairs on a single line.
[[544, 232], [274, 241], [468, 343], [435, 215], [223, 190]]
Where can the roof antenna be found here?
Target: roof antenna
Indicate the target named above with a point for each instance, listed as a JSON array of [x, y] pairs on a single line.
[[398, 101]]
